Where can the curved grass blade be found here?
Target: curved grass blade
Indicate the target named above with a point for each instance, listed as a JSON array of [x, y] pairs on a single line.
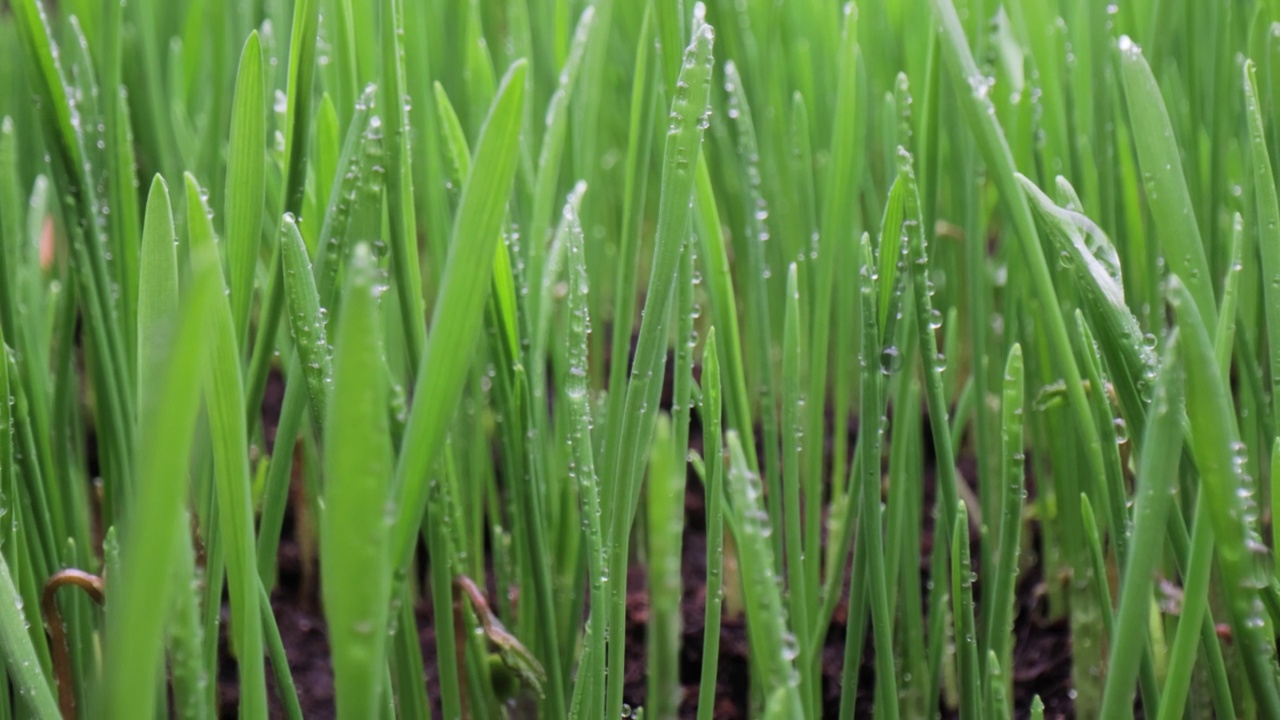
[[246, 184], [1219, 457], [459, 305], [1127, 350], [980, 116], [1166, 186], [355, 564], [307, 320]]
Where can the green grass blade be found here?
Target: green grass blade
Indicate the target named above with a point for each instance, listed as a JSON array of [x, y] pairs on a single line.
[[356, 211], [774, 651], [1268, 214], [793, 425], [1157, 472], [588, 690], [999, 604], [457, 314], [1081, 246], [224, 396], [157, 295], [664, 508], [355, 562], [553, 141], [1215, 445], [714, 492], [867, 483], [689, 110], [297, 132], [402, 225], [189, 676], [133, 642], [756, 317], [1166, 186], [962, 609], [245, 193], [838, 196], [20, 654], [307, 320]]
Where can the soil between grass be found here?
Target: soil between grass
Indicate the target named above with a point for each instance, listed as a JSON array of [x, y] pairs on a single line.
[[1042, 651]]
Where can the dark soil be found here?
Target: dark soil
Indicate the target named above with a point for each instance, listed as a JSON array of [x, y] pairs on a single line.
[[1041, 666]]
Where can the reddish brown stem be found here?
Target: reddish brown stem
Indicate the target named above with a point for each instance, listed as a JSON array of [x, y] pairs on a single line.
[[94, 587]]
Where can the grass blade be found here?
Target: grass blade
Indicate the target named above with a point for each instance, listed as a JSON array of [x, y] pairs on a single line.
[[1218, 453], [246, 186], [134, 638], [962, 608], [1157, 472], [689, 110], [307, 320], [457, 314], [1165, 184], [775, 651], [355, 565], [714, 491], [998, 625], [1268, 214], [20, 654], [224, 395]]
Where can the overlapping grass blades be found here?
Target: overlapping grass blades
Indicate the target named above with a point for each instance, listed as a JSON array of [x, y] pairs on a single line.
[[401, 389]]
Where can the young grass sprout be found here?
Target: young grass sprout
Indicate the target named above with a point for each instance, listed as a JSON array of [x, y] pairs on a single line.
[[937, 354]]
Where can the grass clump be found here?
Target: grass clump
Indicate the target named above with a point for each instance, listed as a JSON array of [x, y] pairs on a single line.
[[958, 322]]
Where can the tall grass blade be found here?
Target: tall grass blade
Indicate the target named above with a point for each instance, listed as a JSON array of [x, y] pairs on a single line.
[[457, 314], [689, 108], [355, 526], [224, 397], [246, 182]]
